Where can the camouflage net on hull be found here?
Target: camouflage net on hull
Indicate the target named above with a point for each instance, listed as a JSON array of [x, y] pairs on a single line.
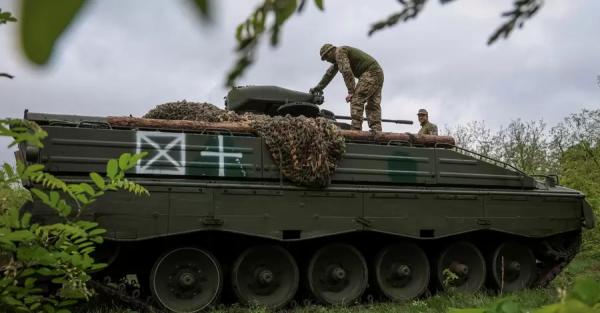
[[307, 150]]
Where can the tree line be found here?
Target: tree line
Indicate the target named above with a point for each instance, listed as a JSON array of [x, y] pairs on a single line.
[[570, 149]]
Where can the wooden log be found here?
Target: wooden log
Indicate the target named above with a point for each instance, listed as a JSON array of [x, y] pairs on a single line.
[[135, 122], [244, 127]]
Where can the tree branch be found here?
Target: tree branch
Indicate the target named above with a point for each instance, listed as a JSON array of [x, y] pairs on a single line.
[[6, 75]]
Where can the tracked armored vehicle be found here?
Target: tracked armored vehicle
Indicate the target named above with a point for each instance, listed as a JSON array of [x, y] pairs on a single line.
[[399, 217]]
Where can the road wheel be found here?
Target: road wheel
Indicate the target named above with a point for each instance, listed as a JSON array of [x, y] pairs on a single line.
[[186, 279]]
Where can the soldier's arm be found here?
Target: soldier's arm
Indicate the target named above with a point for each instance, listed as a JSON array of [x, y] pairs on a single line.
[[329, 75], [433, 130], [343, 62]]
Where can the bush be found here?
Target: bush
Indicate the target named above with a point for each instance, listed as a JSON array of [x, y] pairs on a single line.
[[45, 268]]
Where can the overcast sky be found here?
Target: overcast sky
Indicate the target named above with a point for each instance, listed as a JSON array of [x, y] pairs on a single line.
[[124, 57]]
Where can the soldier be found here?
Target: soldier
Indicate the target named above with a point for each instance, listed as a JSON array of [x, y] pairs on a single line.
[[427, 128], [352, 62]]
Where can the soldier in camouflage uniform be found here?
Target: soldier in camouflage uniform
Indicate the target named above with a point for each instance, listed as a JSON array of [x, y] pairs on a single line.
[[427, 128], [354, 63]]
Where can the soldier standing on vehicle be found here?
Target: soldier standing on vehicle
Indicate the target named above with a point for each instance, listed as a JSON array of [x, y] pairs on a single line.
[[427, 128], [354, 63]]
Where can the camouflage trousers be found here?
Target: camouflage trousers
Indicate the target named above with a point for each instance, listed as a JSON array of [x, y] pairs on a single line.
[[368, 90]]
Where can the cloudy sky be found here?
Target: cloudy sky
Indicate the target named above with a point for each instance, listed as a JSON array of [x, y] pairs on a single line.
[[124, 57]]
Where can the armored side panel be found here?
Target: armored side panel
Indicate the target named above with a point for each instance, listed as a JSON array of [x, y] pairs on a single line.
[[223, 156]]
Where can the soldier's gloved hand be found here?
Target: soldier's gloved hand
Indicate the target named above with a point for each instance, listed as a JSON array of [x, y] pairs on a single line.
[[315, 90], [349, 97]]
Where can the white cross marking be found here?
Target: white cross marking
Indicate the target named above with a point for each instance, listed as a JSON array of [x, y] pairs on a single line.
[[222, 155], [162, 152]]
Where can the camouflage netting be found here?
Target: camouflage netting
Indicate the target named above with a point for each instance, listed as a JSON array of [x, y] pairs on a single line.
[[191, 111], [306, 150]]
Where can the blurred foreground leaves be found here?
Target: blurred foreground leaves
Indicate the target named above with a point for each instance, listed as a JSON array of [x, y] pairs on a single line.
[[42, 23]]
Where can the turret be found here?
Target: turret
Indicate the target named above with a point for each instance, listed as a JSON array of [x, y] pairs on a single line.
[[273, 100]]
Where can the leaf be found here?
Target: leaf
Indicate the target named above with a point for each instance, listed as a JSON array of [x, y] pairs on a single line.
[[86, 225], [29, 282], [40, 194], [44, 271], [42, 24], [319, 4], [98, 180], [87, 250], [508, 307], [586, 290], [54, 198], [204, 8], [238, 32], [67, 302], [124, 161], [20, 236], [49, 308], [27, 272], [82, 198], [32, 169], [283, 10], [112, 168], [11, 301], [96, 232], [136, 158], [63, 208], [25, 220], [8, 170], [87, 189]]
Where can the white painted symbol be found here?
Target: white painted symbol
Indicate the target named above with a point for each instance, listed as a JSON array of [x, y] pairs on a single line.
[[173, 152], [221, 155]]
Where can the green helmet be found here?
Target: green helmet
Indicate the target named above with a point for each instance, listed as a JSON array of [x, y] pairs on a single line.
[[325, 49]]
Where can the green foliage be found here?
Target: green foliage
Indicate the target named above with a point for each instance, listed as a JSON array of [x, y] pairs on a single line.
[[22, 131], [570, 149], [522, 11], [6, 17], [583, 297], [576, 141], [522, 144], [56, 257], [204, 8], [449, 278], [249, 32], [43, 22]]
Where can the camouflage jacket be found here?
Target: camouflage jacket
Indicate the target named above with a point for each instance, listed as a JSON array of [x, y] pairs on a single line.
[[351, 62], [428, 128]]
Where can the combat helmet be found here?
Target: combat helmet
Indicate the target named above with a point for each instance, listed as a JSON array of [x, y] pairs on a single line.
[[325, 49]]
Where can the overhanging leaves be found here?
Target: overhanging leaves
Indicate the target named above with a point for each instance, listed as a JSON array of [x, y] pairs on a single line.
[[204, 9], [522, 11], [6, 17], [43, 22], [249, 32]]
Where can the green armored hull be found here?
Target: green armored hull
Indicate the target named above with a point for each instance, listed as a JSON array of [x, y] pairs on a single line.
[[222, 224]]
